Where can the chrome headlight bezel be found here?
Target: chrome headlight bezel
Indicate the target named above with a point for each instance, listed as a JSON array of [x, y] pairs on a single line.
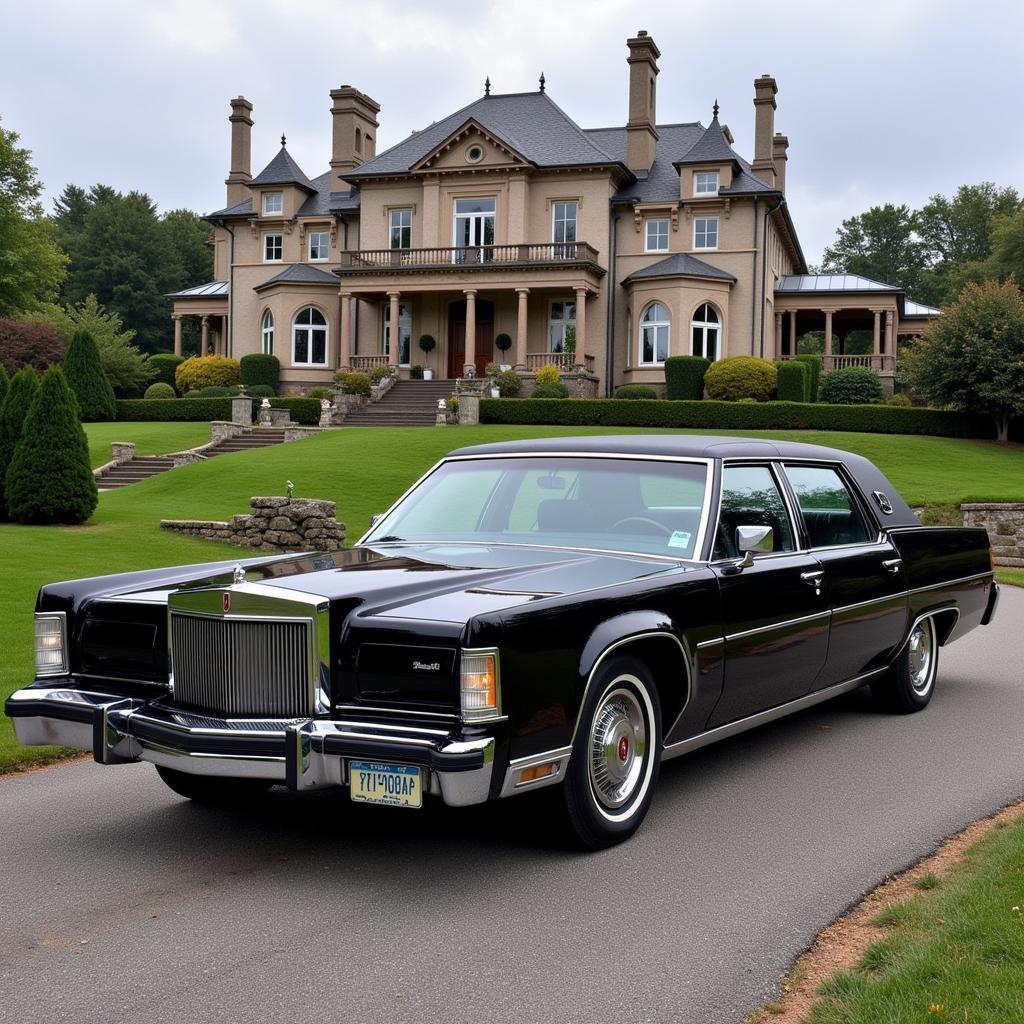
[[60, 634], [491, 711]]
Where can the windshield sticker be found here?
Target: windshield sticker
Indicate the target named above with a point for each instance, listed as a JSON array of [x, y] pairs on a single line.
[[679, 539]]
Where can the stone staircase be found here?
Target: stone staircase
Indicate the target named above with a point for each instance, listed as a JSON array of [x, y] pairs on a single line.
[[409, 403], [256, 437], [142, 467]]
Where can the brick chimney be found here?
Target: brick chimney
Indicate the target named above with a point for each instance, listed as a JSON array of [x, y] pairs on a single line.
[[354, 129], [241, 151], [765, 89], [780, 143], [641, 130]]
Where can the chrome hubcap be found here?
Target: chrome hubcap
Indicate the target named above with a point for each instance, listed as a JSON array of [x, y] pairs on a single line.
[[618, 748], [920, 657]]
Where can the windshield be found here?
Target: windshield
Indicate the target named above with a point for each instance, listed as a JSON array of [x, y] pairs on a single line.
[[610, 504]]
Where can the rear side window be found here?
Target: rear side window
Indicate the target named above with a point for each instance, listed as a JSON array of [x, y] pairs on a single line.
[[750, 497], [829, 511]]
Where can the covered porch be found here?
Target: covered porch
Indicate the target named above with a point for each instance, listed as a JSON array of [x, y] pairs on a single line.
[[206, 305]]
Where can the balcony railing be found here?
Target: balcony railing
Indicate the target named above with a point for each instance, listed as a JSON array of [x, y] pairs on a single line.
[[469, 258], [881, 364], [565, 363], [366, 363]]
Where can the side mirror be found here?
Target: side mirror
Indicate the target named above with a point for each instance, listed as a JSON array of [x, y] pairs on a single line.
[[751, 540], [375, 519]]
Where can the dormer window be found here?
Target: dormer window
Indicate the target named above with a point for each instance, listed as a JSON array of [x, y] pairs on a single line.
[[705, 183], [273, 203]]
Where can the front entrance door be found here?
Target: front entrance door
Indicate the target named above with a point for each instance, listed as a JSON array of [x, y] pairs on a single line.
[[457, 336]]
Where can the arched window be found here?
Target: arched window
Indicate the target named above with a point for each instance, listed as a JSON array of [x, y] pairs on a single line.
[[309, 338], [654, 335], [267, 334], [359, 141], [706, 331]]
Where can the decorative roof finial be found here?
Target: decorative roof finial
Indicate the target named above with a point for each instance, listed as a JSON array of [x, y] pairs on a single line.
[[282, 140], [714, 109], [542, 81], [487, 86]]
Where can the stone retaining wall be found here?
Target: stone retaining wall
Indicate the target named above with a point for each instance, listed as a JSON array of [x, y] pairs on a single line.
[[275, 524], [1005, 524]]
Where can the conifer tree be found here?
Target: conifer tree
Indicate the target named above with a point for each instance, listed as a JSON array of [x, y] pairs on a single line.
[[85, 376], [49, 479], [4, 383], [21, 392]]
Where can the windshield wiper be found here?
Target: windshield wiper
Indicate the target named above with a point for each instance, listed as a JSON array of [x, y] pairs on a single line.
[[389, 539]]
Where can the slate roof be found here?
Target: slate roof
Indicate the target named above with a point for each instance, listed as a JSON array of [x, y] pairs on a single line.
[[531, 123], [832, 283], [680, 264], [283, 170], [300, 273], [320, 203], [711, 147], [242, 209], [212, 289]]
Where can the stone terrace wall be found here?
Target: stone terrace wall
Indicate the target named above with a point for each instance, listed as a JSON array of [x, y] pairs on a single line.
[[1005, 525], [275, 524]]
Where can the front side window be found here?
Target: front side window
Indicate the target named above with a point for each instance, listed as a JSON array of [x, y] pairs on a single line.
[[657, 235], [654, 335], [564, 229], [561, 325], [400, 229], [706, 333], [705, 232], [267, 334], [319, 245], [309, 338], [273, 202], [273, 248], [830, 514], [750, 497], [404, 333], [603, 503], [705, 183]]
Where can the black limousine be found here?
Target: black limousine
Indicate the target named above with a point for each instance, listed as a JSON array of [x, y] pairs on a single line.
[[569, 611]]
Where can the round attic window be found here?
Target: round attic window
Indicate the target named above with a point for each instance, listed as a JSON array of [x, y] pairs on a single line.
[[474, 154]]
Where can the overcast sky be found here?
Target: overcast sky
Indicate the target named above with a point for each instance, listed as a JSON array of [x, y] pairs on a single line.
[[882, 101]]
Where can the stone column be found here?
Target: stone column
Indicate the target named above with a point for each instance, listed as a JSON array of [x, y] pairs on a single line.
[[523, 294], [878, 333], [828, 332], [470, 333], [778, 336], [890, 348], [393, 328], [177, 335], [345, 342], [205, 339], [792, 332], [581, 327]]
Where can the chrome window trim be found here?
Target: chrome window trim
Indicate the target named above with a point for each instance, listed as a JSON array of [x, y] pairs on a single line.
[[770, 465], [64, 668]]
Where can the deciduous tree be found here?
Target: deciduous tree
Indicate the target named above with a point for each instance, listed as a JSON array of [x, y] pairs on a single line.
[[879, 244]]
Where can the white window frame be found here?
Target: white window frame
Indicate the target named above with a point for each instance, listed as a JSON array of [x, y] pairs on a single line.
[[564, 322], [280, 246], [648, 224], [706, 221], [704, 326], [325, 327], [404, 312], [556, 220], [326, 235], [277, 209], [267, 333], [697, 190], [401, 227], [655, 326], [479, 217]]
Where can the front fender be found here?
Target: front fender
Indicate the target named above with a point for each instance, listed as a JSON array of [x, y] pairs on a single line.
[[619, 628]]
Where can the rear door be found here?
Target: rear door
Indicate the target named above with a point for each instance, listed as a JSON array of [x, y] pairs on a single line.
[[864, 577]]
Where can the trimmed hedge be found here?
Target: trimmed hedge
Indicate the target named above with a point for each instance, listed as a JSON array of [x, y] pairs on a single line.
[[708, 415], [738, 377], [852, 385], [165, 363], [813, 364], [207, 371], [304, 410], [160, 389], [181, 409], [684, 378], [547, 390], [260, 368], [635, 391], [793, 382]]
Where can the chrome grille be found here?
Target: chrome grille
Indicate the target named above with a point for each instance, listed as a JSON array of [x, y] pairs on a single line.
[[256, 667]]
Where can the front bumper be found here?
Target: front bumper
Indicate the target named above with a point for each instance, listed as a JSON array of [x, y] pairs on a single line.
[[305, 753]]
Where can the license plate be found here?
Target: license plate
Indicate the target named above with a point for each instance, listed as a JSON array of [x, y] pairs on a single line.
[[394, 785]]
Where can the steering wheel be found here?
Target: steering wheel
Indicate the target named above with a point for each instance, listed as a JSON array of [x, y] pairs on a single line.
[[660, 527]]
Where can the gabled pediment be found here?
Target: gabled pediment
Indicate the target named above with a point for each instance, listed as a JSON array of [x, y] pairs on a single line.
[[471, 147]]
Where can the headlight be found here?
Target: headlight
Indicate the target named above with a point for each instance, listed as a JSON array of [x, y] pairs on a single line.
[[51, 644], [479, 685]]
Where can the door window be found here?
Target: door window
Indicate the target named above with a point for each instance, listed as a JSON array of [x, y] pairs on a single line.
[[474, 227], [828, 509], [750, 497]]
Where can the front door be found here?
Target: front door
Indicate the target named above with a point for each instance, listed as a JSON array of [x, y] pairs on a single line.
[[457, 336], [474, 229]]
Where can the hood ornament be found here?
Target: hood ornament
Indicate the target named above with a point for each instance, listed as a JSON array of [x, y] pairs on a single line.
[[237, 575]]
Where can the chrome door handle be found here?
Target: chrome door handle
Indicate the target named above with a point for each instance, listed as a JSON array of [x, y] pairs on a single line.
[[892, 565], [813, 579]]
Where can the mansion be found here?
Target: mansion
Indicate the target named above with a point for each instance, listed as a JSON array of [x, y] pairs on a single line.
[[508, 233]]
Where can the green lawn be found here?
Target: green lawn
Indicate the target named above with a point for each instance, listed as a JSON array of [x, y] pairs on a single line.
[[149, 438], [363, 471], [1015, 577], [955, 953]]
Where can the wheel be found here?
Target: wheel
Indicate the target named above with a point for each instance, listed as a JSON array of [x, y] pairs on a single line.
[[660, 527], [615, 757], [910, 683], [213, 790]]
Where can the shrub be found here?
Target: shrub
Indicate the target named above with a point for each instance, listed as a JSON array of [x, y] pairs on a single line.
[[20, 395], [737, 377], [852, 385], [492, 370], [899, 400], [684, 377], [319, 393], [28, 344], [354, 383], [303, 410], [207, 371], [509, 383], [191, 410], [160, 390], [378, 373], [453, 403], [793, 381], [214, 392], [88, 382], [5, 382], [165, 363], [416, 372], [549, 374], [813, 364], [260, 368], [49, 479], [548, 390], [640, 391], [259, 391], [503, 342], [427, 343]]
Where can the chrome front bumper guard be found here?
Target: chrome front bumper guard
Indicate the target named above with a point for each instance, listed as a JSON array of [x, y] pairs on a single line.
[[301, 754]]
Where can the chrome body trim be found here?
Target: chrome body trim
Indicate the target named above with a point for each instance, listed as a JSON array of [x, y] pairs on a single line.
[[510, 787], [445, 715], [931, 613], [778, 625]]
